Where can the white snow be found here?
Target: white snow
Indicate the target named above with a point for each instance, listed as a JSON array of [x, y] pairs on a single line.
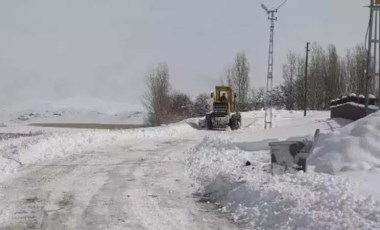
[[352, 152], [339, 191], [76, 104], [73, 110], [15, 153], [70, 116], [311, 200], [352, 148], [290, 201]]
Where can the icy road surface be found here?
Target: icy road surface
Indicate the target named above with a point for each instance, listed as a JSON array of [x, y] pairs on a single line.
[[132, 186]]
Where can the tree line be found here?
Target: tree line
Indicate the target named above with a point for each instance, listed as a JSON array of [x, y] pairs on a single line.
[[329, 76], [165, 105]]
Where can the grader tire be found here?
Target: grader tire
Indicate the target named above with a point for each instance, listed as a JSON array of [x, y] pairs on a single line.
[[239, 118], [234, 122], [208, 122]]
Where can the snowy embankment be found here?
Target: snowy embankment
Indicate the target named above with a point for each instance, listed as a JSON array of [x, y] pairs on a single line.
[[289, 201], [352, 148], [309, 200], [15, 153], [352, 152]]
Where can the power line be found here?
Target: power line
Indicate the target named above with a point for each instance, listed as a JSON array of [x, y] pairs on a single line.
[[278, 7]]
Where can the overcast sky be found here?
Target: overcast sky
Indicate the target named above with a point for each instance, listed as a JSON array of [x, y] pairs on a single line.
[[54, 49]]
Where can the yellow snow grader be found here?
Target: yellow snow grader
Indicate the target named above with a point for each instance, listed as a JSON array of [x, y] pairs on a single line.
[[224, 112]]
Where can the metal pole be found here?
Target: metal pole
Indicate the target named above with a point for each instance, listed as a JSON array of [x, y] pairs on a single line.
[[363, 81], [268, 95], [375, 44], [377, 53], [368, 74], [375, 49], [306, 63]]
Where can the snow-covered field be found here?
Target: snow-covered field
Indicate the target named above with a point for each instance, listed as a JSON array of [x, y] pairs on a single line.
[[162, 167], [69, 113], [73, 110]]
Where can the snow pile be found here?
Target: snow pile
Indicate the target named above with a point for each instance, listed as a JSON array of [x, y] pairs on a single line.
[[352, 148], [14, 153], [291, 201]]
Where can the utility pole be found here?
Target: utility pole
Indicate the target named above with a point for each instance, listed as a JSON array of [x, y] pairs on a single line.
[[373, 63], [268, 95], [306, 64]]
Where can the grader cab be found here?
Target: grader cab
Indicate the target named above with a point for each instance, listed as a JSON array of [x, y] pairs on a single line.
[[224, 112]]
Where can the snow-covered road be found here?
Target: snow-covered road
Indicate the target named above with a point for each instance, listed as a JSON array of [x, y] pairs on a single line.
[[153, 178], [135, 185]]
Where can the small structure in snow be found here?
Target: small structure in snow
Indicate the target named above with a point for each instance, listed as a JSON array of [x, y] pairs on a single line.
[[291, 154], [352, 107]]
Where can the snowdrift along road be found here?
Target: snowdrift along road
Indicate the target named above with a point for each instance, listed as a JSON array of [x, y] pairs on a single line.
[[312, 200], [290, 201], [352, 148]]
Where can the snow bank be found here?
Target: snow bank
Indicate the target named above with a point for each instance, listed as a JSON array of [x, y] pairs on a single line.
[[14, 153], [292, 201], [352, 148], [286, 124]]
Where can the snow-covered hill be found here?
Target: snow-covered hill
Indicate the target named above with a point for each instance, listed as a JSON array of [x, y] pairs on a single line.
[[70, 116], [74, 110]]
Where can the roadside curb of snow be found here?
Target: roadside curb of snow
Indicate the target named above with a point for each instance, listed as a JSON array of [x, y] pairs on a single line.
[[291, 201], [352, 148]]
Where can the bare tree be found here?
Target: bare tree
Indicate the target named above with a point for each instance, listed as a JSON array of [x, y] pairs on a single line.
[[181, 107], [202, 105], [288, 88], [238, 79], [300, 83], [259, 99], [316, 77], [332, 82], [354, 66], [330, 76], [278, 97], [157, 100]]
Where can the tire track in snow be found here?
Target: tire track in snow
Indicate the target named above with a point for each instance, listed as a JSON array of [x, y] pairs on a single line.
[[123, 187]]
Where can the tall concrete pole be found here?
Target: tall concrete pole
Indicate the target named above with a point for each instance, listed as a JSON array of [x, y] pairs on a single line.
[[268, 96], [369, 51], [306, 64]]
